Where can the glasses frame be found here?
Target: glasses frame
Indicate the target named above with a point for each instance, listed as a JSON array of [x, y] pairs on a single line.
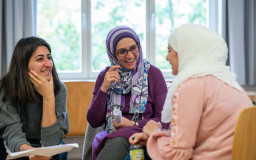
[[130, 50]]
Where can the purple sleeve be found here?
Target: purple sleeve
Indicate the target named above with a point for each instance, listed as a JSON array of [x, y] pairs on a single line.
[[157, 93], [97, 110]]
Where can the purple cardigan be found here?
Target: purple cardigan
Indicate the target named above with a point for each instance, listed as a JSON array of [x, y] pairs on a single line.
[[157, 91]]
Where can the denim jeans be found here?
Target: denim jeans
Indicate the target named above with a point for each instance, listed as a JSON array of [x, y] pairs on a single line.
[[3, 153]]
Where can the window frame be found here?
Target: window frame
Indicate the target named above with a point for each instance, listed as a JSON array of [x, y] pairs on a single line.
[[86, 71]]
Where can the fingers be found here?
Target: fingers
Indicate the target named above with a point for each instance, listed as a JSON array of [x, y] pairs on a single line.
[[134, 138], [113, 71], [159, 125], [33, 77], [35, 157], [40, 84], [51, 80], [151, 127], [114, 68], [138, 138], [36, 75], [118, 125], [115, 125], [111, 76], [125, 122]]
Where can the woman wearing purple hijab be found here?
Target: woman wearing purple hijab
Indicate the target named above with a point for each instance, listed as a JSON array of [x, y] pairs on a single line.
[[132, 85]]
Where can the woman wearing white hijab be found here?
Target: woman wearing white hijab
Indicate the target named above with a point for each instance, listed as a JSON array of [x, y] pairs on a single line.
[[203, 102]]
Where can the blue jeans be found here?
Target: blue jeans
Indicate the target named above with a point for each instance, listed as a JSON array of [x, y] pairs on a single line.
[[3, 153]]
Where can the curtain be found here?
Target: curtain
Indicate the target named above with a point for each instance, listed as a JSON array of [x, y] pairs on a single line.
[[17, 20], [239, 30]]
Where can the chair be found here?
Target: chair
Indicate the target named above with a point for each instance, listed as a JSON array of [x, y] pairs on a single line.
[[244, 143], [252, 98], [88, 140], [78, 101]]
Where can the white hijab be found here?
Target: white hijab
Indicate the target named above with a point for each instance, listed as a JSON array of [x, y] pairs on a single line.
[[200, 52]]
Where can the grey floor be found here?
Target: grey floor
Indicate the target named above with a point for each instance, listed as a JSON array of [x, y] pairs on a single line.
[[75, 153]]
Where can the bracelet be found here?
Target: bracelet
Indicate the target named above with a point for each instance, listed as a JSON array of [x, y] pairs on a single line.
[[136, 124]]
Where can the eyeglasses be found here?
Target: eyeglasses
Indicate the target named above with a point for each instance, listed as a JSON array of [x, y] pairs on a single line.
[[123, 52]]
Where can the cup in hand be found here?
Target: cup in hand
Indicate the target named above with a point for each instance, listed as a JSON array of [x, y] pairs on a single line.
[[117, 115]]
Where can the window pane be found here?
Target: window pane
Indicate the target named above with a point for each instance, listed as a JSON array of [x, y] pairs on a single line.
[[59, 23], [169, 15], [108, 14]]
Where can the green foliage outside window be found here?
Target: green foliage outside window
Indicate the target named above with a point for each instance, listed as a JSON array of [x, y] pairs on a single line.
[[58, 28], [170, 15], [59, 22]]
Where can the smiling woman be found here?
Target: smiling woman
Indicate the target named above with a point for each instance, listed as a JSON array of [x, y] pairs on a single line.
[[41, 62], [130, 84], [127, 53], [33, 109]]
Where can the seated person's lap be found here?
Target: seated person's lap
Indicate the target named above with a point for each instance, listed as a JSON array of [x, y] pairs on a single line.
[[116, 148]]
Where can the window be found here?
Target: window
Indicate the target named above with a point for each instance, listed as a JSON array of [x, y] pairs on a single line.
[[59, 23], [169, 15], [107, 14], [77, 30]]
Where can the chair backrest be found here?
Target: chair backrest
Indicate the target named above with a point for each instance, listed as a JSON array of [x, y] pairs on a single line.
[[244, 143], [78, 101], [253, 98]]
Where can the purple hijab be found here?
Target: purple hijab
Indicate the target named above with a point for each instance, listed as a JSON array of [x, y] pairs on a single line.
[[134, 81]]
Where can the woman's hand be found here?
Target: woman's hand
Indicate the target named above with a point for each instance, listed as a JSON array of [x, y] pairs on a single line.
[[125, 122], [35, 157], [25, 147], [111, 76], [46, 90], [151, 127], [41, 85], [139, 138]]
